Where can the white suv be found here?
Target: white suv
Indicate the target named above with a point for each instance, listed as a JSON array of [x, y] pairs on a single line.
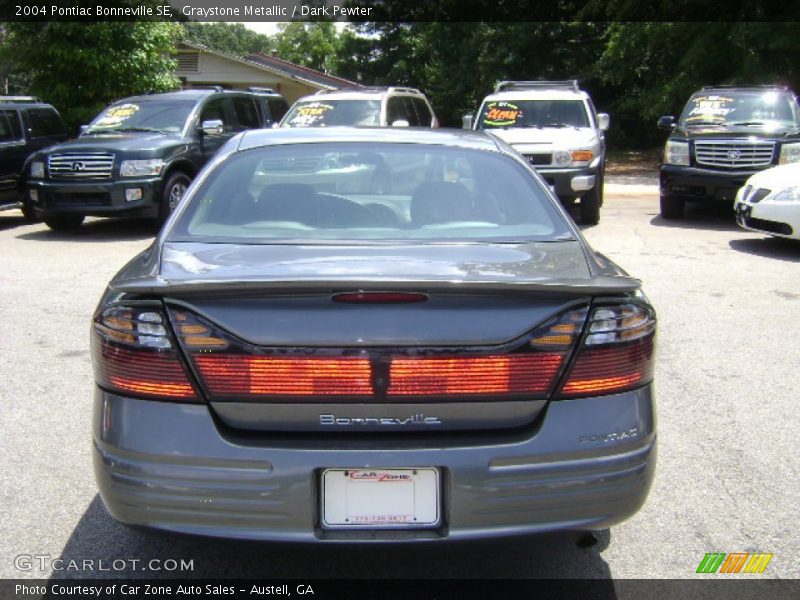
[[555, 126], [365, 107]]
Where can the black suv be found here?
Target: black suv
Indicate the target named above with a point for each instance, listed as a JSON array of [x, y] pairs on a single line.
[[724, 135], [26, 125], [139, 155]]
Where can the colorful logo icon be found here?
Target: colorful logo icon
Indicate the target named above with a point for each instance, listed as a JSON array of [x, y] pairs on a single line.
[[736, 562]]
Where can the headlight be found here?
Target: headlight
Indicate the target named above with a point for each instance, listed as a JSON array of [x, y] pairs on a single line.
[[790, 194], [790, 153], [37, 170], [138, 168], [676, 153], [562, 158]]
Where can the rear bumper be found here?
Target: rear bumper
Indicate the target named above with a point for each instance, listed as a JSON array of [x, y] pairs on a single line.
[[588, 465], [697, 184], [103, 198]]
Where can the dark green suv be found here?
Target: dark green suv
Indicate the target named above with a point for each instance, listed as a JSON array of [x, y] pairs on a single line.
[[26, 125], [140, 154]]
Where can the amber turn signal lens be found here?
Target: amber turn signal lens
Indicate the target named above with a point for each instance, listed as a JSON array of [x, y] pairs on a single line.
[[582, 155]]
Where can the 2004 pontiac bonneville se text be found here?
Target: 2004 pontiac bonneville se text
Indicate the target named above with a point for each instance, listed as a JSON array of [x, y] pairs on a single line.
[[372, 335]]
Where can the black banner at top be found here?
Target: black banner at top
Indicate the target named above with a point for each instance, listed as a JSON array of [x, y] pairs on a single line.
[[397, 10]]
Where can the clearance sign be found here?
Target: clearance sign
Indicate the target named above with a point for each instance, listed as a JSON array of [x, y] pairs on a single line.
[[499, 114]]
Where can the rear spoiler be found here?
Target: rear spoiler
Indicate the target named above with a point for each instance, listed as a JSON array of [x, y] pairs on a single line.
[[600, 285]]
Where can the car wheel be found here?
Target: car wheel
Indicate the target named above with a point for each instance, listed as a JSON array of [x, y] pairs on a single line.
[[174, 189], [601, 179], [64, 222], [590, 205], [28, 212], [671, 207]]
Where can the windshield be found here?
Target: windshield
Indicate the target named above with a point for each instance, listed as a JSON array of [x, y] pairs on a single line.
[[333, 192], [143, 115], [738, 108], [533, 113], [333, 113]]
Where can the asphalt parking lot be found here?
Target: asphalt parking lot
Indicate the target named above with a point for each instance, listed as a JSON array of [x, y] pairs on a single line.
[[727, 383]]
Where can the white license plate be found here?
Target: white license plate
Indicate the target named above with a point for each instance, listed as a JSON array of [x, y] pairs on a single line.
[[380, 498]]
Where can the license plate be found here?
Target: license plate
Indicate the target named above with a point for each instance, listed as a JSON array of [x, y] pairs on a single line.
[[380, 498]]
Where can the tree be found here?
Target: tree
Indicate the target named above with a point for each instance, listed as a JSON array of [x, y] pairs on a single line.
[[230, 38], [311, 44], [82, 67]]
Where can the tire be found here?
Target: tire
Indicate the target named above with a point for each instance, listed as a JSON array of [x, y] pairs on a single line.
[[65, 222], [174, 189], [28, 213], [590, 205], [672, 207]]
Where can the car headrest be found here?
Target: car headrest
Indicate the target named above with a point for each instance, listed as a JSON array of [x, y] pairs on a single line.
[[441, 202], [288, 202]]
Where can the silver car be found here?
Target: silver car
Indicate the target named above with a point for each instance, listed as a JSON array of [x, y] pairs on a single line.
[[349, 335]]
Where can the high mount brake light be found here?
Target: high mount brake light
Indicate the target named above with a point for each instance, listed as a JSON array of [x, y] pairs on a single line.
[[232, 369], [617, 353], [380, 297], [132, 353]]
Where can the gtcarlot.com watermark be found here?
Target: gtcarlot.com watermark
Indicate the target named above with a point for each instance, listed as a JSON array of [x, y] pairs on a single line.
[[46, 563]]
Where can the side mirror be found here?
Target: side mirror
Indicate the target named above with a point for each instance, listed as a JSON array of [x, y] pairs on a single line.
[[400, 123], [466, 121], [603, 121], [212, 127], [83, 129], [666, 123]]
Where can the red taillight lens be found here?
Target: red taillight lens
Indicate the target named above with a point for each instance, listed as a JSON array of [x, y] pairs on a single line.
[[616, 354], [132, 353], [242, 375], [232, 369], [531, 373]]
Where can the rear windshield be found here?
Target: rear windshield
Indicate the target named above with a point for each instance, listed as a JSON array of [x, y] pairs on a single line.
[[143, 115], [331, 192], [333, 113], [533, 113], [740, 108]]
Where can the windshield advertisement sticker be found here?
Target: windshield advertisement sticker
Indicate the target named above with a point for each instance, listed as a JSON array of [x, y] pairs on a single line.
[[311, 113], [500, 114], [710, 108], [116, 115]]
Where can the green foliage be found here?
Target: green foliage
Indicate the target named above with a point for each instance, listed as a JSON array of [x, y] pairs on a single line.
[[635, 69], [230, 38], [312, 44], [82, 67]]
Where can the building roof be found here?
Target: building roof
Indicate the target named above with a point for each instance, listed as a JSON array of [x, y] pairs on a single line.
[[293, 71]]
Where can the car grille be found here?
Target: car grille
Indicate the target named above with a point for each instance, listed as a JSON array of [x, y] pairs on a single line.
[[539, 159], [734, 154], [81, 165], [768, 226], [81, 199], [292, 164]]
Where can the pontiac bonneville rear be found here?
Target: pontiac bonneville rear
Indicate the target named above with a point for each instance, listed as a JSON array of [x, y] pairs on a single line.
[[372, 335]]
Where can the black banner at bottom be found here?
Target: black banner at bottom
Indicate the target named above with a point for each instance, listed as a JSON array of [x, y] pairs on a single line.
[[378, 589]]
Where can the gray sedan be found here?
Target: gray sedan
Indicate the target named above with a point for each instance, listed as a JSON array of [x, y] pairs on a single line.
[[372, 335]]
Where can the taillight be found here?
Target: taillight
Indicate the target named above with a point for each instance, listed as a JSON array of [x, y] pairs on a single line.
[[133, 354], [233, 369], [616, 353]]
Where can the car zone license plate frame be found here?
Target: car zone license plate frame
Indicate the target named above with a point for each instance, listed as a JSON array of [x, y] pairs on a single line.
[[372, 498]]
